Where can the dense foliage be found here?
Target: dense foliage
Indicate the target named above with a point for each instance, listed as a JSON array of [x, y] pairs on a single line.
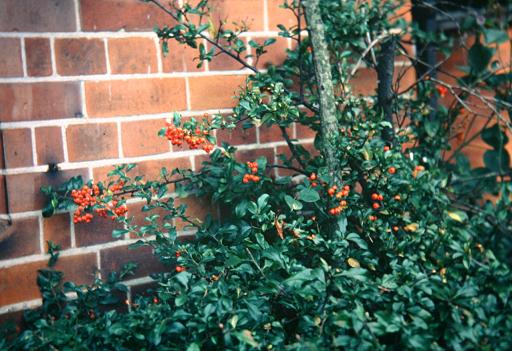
[[400, 249]]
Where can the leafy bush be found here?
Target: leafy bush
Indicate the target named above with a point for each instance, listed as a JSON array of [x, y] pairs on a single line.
[[395, 249]]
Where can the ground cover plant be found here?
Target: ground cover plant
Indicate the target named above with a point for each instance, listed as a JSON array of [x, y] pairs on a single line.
[[382, 236]]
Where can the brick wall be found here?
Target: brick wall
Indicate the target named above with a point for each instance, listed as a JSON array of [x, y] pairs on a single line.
[[83, 85]]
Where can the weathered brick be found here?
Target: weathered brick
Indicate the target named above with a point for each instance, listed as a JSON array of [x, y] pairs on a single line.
[[38, 53], [113, 259], [181, 58], [37, 16], [49, 145], [24, 189], [114, 15], [38, 101], [131, 97], [275, 53], [23, 239], [132, 55], [18, 283], [57, 229], [17, 147], [141, 138], [236, 12], [149, 169], [214, 91], [10, 57], [98, 231], [92, 141], [79, 56]]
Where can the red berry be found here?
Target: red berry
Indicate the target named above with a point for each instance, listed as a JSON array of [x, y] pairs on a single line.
[[376, 206], [375, 196], [391, 170]]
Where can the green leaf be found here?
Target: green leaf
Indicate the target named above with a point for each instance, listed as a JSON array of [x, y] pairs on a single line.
[[495, 36], [117, 233], [308, 195], [479, 57], [494, 136], [497, 160], [292, 203], [358, 240]]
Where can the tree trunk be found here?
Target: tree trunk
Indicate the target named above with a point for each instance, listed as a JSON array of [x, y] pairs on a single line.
[[385, 72], [328, 120]]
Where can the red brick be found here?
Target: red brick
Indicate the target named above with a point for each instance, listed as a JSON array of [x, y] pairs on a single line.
[[285, 150], [237, 136], [149, 169], [38, 53], [304, 132], [197, 210], [115, 15], [214, 92], [57, 229], [80, 56], [114, 258], [24, 189], [10, 57], [223, 62], [141, 138], [22, 239], [18, 283], [275, 53], [49, 145], [236, 11], [132, 55], [181, 58], [3, 198], [98, 231], [92, 141], [37, 16], [38, 101], [272, 134], [278, 15], [17, 148], [133, 97]]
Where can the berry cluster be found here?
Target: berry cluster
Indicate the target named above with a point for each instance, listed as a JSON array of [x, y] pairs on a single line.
[[84, 198], [442, 90], [92, 197], [195, 140], [376, 197], [333, 191], [417, 170], [248, 177]]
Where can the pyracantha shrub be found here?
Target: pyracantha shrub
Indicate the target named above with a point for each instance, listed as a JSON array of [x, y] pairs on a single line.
[[376, 239]]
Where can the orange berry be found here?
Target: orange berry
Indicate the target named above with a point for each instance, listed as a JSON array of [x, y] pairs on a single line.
[[312, 176], [375, 196], [314, 184], [343, 203], [346, 188], [376, 206], [395, 228], [397, 197], [391, 170], [331, 191], [180, 269], [380, 197], [386, 148]]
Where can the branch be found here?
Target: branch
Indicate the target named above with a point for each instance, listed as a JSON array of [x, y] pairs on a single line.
[[385, 71], [329, 122]]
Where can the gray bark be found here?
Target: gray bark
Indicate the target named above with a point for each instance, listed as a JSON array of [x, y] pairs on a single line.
[[329, 122]]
